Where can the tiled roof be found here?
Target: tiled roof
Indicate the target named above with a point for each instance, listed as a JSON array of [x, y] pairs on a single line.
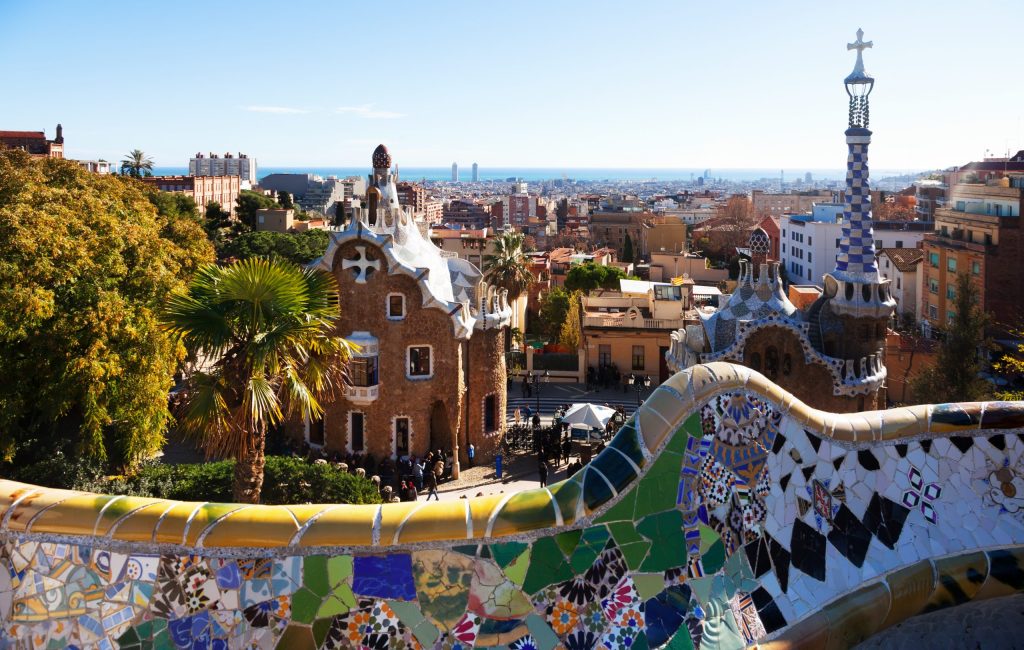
[[905, 259], [39, 135]]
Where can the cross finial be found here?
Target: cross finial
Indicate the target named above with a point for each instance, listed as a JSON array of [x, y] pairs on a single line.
[[859, 44]]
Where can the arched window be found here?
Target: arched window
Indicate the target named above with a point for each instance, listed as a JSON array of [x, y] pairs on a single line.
[[771, 362], [755, 361], [787, 364]]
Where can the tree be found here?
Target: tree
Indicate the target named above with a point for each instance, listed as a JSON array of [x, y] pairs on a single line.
[[285, 199], [627, 249], [86, 262], [954, 377], [590, 276], [507, 267], [137, 164], [1010, 366], [248, 202], [554, 307], [572, 328], [267, 326], [299, 248], [732, 226]]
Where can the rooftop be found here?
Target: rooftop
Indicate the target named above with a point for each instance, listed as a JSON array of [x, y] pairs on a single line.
[[905, 259]]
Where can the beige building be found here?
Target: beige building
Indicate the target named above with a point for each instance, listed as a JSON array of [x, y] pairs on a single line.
[[203, 189], [665, 266], [665, 234], [775, 205], [275, 219], [630, 330]]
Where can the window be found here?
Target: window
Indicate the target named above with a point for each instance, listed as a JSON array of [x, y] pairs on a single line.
[[356, 429], [315, 434], [933, 285], [950, 316], [837, 242], [419, 360], [396, 306], [402, 437], [951, 264], [490, 414], [976, 268], [604, 355], [933, 311], [638, 357], [933, 259], [810, 257], [950, 293], [810, 240], [899, 243], [363, 371], [783, 248], [898, 278], [887, 262]]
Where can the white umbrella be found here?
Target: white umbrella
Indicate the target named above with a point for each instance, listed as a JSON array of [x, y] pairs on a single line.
[[592, 415]]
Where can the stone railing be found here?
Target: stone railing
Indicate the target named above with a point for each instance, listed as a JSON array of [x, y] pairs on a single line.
[[724, 513]]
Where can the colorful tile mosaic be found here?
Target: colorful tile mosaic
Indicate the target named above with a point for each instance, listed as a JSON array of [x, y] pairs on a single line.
[[741, 517]]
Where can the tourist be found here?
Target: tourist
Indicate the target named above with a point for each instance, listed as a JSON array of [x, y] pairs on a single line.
[[471, 453], [413, 494], [525, 388], [567, 448], [430, 478], [517, 415], [542, 471], [417, 473]]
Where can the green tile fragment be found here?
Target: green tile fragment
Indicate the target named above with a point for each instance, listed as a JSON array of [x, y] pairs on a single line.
[[339, 568], [635, 553], [331, 607], [321, 627], [467, 549], [681, 641], [297, 637], [624, 532], [547, 566], [640, 642], [708, 536], [648, 585], [567, 541], [315, 575], [505, 553], [701, 588], [516, 571], [542, 633], [623, 510], [657, 490], [591, 544], [130, 636], [409, 613], [668, 548], [714, 558], [305, 604]]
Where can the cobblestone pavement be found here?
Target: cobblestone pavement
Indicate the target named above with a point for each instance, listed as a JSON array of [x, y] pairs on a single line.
[[996, 624]]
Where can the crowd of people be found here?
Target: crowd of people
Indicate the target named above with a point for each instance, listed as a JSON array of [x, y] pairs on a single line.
[[401, 479]]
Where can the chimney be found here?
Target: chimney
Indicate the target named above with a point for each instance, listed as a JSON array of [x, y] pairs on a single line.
[[60, 135]]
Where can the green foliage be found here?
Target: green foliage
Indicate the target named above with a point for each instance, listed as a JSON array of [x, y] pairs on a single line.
[[85, 262], [954, 377], [285, 200], [248, 203], [507, 268], [269, 327], [288, 480], [572, 328], [300, 248], [590, 276], [554, 306], [627, 249], [137, 164]]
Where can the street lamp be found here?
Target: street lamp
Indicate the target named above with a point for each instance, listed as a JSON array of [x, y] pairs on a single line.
[[639, 383], [536, 385]]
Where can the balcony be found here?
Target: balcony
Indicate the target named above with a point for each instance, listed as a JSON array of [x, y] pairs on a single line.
[[362, 394], [634, 323], [955, 240]]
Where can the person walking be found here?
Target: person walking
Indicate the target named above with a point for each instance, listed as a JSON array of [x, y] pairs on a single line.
[[417, 474], [471, 452], [542, 471], [430, 478], [567, 448]]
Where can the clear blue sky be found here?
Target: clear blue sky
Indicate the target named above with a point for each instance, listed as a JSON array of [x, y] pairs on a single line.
[[536, 84]]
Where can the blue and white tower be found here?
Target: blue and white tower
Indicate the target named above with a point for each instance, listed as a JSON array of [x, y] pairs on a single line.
[[855, 287]]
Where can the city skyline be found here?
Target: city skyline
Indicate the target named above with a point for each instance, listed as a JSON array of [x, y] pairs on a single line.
[[700, 86]]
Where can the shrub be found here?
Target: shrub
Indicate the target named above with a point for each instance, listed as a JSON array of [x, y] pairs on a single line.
[[286, 480]]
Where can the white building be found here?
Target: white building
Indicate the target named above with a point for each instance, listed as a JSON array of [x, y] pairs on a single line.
[[900, 266], [810, 242], [455, 172], [242, 166]]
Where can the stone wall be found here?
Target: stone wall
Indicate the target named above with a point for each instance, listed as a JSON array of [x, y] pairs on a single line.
[[725, 513]]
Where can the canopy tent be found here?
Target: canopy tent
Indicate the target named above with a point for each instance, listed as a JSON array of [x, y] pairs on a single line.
[[592, 415]]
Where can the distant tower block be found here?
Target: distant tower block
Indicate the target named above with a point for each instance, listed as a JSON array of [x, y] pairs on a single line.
[[782, 180], [455, 172], [476, 172]]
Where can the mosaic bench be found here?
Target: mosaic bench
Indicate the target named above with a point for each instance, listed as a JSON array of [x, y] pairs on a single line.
[[725, 513]]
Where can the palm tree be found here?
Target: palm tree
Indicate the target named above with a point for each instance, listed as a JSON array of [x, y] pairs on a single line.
[[267, 327], [137, 164], [507, 267]]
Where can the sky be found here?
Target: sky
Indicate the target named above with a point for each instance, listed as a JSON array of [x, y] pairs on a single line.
[[672, 84]]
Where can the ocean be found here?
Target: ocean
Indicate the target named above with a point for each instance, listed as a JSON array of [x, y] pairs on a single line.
[[549, 173]]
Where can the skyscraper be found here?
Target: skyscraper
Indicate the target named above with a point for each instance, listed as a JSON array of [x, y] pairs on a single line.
[[476, 172], [455, 172]]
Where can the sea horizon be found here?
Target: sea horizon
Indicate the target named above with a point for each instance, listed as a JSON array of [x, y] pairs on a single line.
[[536, 174]]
